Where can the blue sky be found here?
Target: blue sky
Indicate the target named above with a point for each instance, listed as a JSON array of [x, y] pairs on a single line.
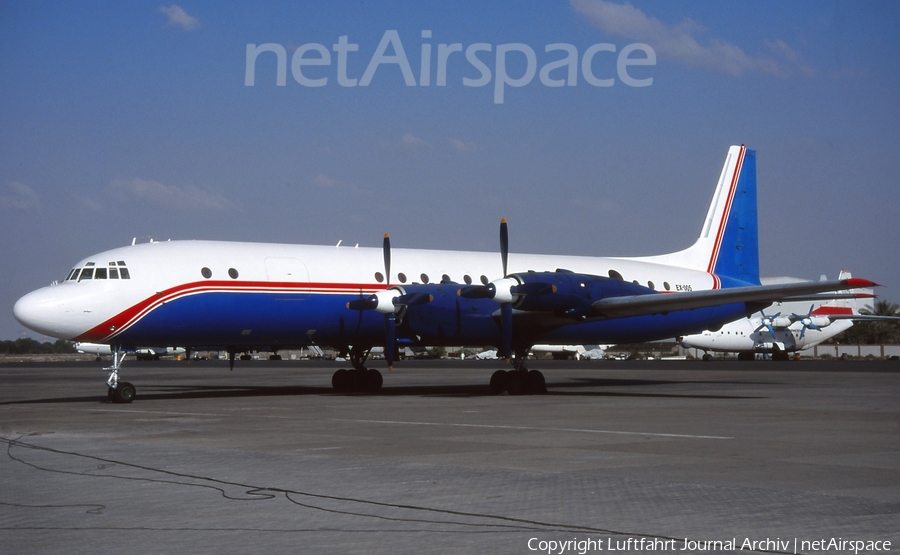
[[122, 120]]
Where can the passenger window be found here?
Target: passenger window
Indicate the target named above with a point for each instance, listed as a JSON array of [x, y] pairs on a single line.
[[445, 278], [468, 279], [100, 273], [87, 273], [401, 277], [484, 280], [424, 278], [206, 272], [615, 275], [666, 285], [379, 277], [123, 273], [232, 273], [650, 285], [113, 273]]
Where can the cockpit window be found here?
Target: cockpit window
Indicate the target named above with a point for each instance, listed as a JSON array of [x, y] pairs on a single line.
[[88, 272]]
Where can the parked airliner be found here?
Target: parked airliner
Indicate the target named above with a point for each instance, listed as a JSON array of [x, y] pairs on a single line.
[[141, 353], [251, 296]]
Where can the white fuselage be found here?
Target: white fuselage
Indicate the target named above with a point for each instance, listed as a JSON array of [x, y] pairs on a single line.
[[749, 334], [162, 271]]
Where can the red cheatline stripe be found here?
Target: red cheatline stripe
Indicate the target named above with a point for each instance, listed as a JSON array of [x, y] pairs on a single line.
[[726, 212], [125, 319]]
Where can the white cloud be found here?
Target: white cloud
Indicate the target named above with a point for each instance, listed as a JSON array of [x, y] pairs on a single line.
[[92, 205], [18, 196], [411, 140], [406, 144], [171, 196], [681, 43], [461, 146], [180, 18], [324, 182]]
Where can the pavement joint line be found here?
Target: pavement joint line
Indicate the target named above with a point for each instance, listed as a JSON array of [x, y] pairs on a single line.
[[161, 412], [169, 413], [540, 429]]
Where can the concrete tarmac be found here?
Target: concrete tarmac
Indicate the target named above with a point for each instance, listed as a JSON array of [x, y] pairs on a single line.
[[618, 456]]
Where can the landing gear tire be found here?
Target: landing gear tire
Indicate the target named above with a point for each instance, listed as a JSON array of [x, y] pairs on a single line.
[[124, 392], [515, 384], [340, 380], [535, 383], [374, 380], [746, 356], [499, 382], [365, 380], [707, 357], [518, 382]]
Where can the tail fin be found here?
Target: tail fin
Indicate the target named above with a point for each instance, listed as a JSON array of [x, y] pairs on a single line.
[[863, 297], [728, 246]]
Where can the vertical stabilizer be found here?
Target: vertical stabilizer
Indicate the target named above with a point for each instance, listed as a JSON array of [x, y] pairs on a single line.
[[728, 246]]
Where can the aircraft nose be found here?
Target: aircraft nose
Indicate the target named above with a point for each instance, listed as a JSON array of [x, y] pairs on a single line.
[[41, 311]]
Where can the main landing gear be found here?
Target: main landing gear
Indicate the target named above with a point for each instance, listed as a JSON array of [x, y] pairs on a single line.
[[119, 392], [520, 381], [359, 378]]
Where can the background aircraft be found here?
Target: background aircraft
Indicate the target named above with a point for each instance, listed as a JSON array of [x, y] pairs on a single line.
[[141, 353], [785, 327], [241, 296], [577, 352]]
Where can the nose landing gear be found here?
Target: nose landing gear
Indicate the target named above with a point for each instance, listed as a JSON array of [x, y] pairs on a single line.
[[118, 392]]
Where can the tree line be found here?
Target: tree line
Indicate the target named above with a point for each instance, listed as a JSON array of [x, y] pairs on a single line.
[[28, 346], [876, 332]]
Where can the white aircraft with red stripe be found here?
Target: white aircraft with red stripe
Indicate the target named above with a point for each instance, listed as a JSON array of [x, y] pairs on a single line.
[[239, 297], [786, 327]]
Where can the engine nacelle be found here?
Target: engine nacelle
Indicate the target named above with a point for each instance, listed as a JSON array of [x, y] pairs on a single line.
[[780, 322], [817, 321], [569, 293]]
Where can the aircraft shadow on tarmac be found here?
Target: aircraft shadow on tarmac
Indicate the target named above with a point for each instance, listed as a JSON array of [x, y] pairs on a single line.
[[148, 392]]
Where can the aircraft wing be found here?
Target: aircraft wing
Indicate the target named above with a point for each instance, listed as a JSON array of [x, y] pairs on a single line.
[[641, 305], [862, 317]]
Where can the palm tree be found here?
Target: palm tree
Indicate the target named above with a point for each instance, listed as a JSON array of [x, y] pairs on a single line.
[[875, 333]]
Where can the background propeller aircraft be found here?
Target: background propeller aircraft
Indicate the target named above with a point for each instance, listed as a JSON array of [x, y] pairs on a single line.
[[785, 328], [241, 296]]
